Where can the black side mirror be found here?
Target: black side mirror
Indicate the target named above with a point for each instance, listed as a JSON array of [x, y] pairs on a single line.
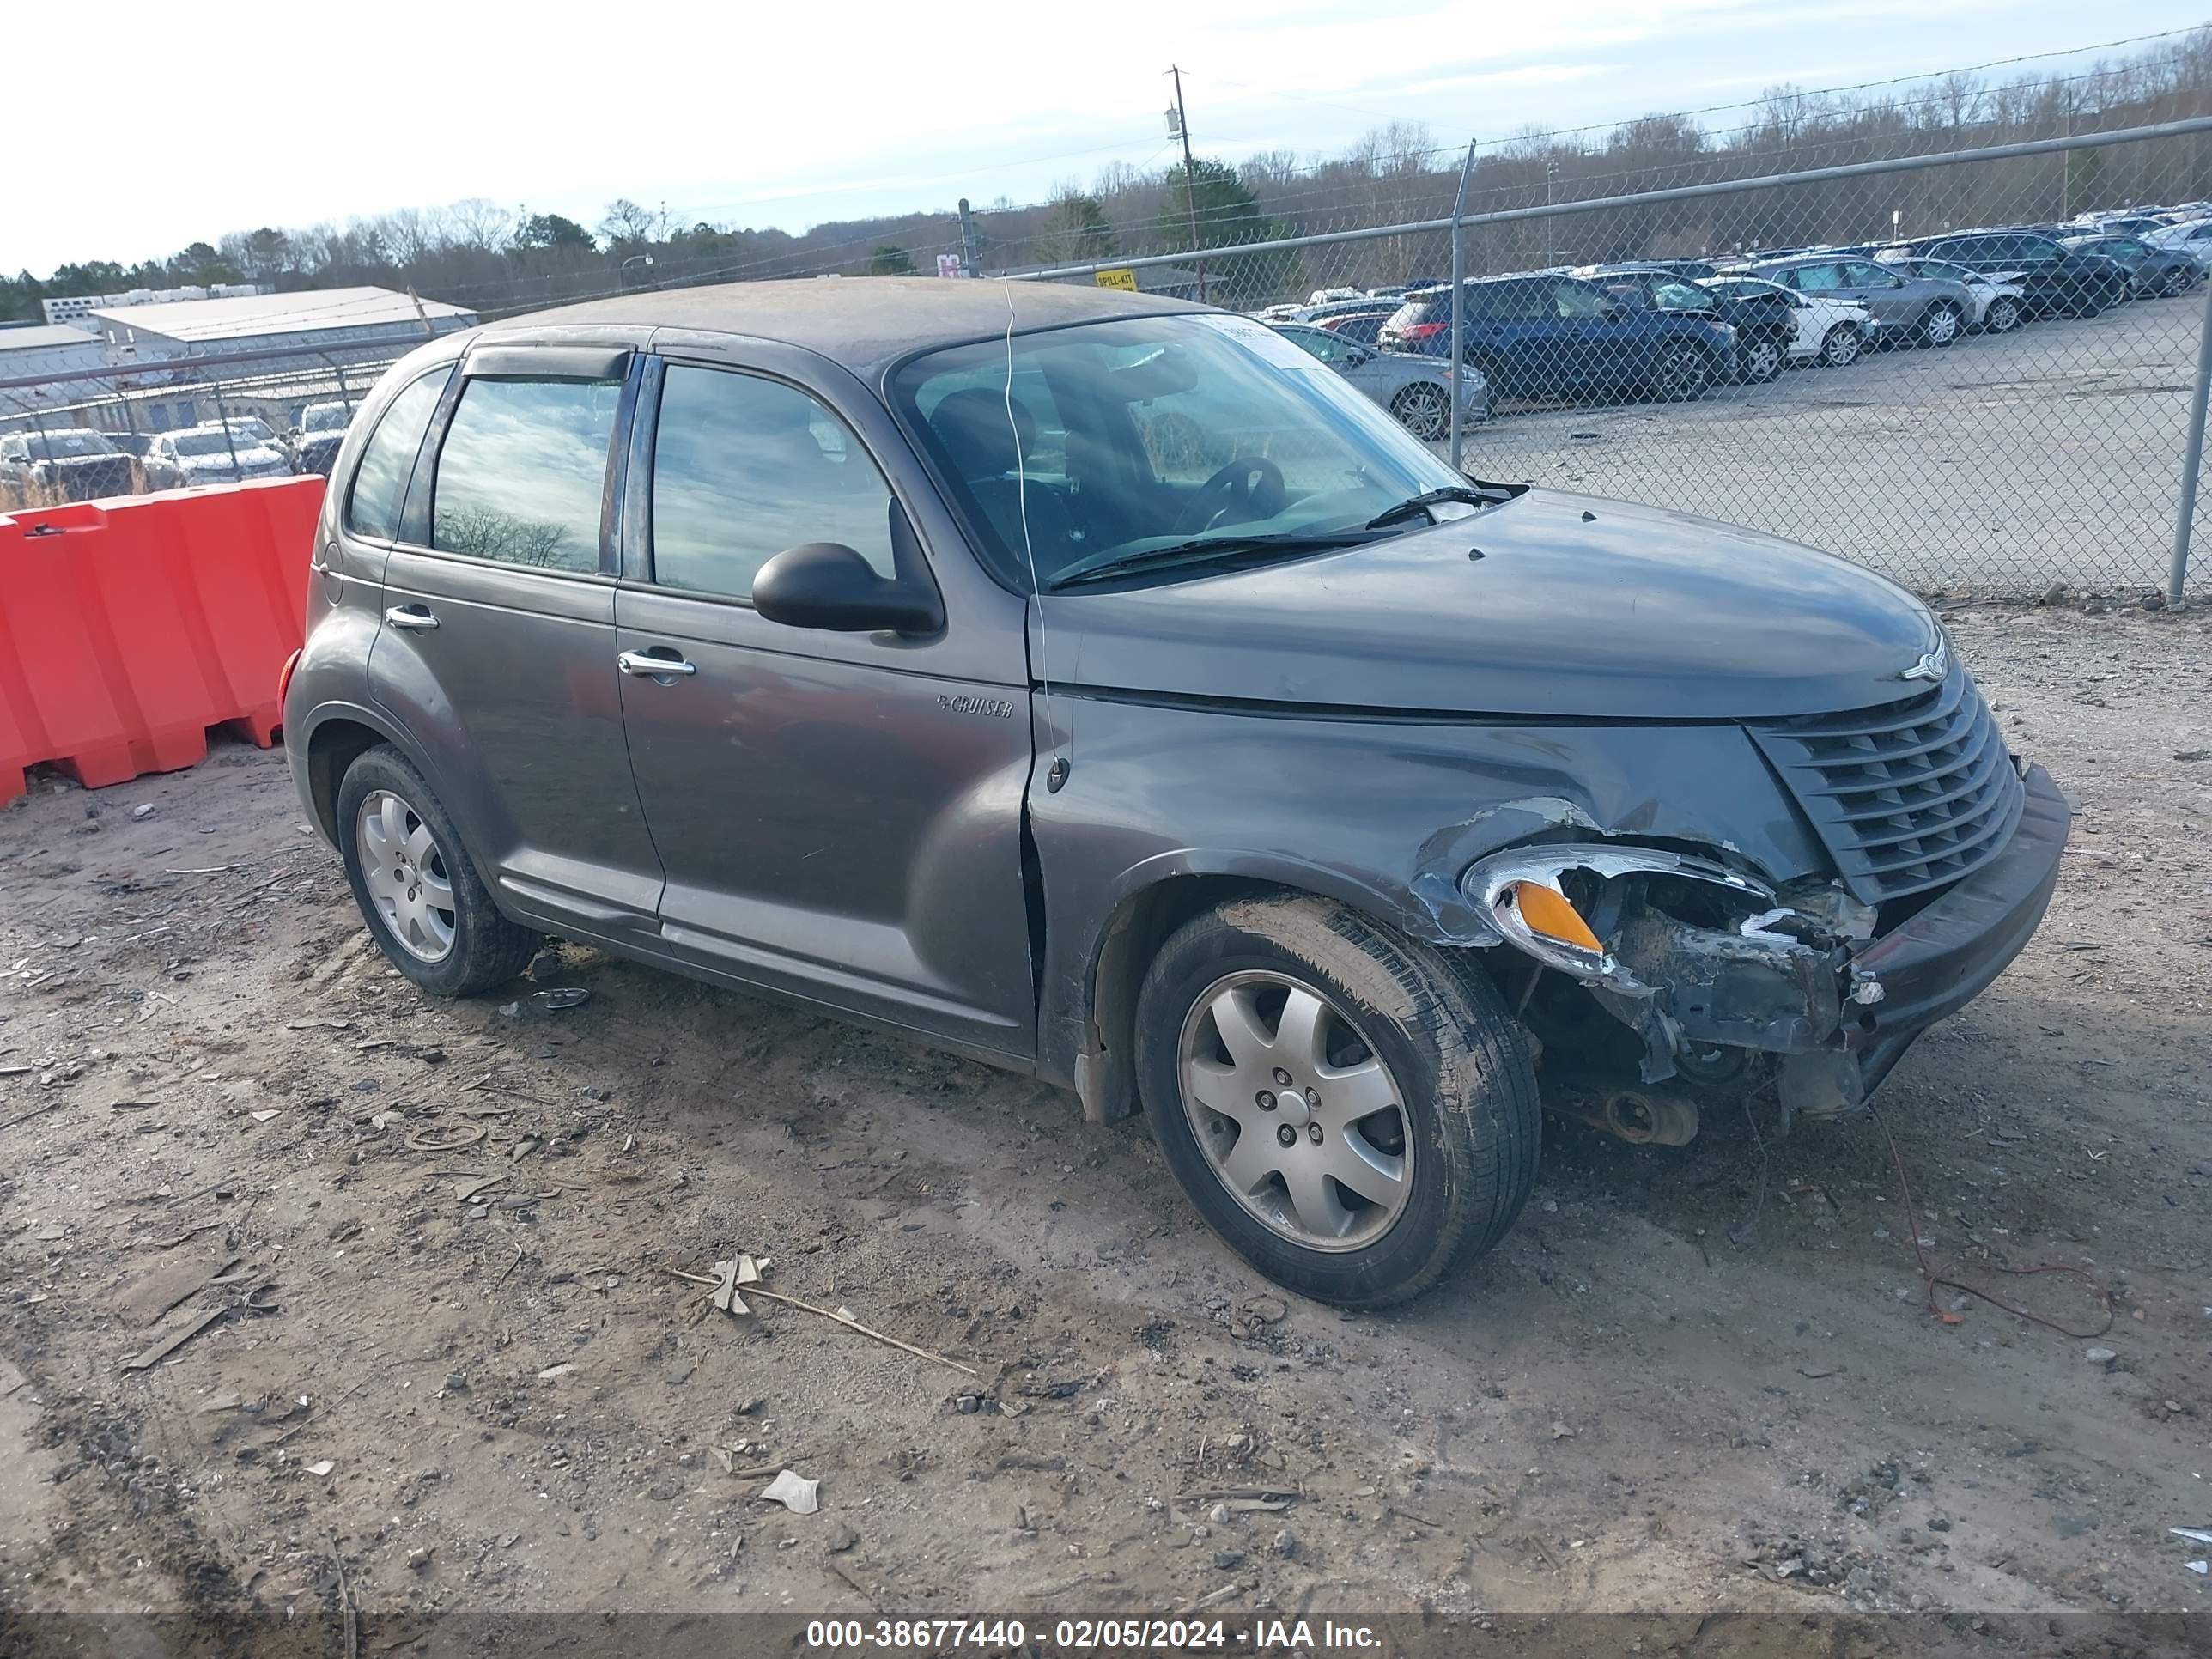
[[827, 585]]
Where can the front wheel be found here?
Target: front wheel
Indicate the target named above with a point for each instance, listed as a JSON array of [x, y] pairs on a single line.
[[1840, 347], [2004, 315], [425, 906], [1760, 361], [1354, 1117], [1682, 373], [1940, 325], [1424, 410]]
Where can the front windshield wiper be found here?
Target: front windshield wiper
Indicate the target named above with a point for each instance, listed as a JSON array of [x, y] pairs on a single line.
[[1428, 498], [1203, 548]]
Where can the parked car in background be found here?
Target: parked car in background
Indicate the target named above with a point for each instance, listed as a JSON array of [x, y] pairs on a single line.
[[1825, 330], [2191, 236], [1557, 336], [1765, 324], [72, 464], [2000, 304], [1415, 389], [1694, 270], [209, 455], [314, 442], [1906, 309], [2156, 272], [2054, 280]]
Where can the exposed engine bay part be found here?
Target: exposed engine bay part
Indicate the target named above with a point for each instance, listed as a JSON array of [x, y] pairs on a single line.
[[1519, 892], [1696, 959], [1642, 1117]]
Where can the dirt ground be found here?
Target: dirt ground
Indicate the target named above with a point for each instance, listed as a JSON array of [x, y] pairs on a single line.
[[1690, 1380]]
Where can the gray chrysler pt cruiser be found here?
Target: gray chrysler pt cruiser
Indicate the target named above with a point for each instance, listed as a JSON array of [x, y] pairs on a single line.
[[1097, 686]]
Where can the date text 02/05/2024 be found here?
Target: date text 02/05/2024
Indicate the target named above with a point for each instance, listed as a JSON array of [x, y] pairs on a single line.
[[993, 1636]]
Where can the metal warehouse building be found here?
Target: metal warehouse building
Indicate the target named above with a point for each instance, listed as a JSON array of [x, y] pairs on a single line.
[[350, 320]]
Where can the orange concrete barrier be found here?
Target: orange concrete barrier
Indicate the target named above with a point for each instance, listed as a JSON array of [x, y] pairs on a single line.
[[130, 627]]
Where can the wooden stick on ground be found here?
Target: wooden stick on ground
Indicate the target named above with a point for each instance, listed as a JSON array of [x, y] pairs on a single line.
[[830, 1314]]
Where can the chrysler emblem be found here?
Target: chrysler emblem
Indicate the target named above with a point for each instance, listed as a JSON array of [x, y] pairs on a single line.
[[1932, 666]]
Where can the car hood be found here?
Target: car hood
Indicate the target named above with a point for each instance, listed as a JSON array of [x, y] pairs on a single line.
[[1578, 608]]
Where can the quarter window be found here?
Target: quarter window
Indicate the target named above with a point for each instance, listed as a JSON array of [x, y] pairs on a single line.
[[521, 471], [744, 467], [380, 482]]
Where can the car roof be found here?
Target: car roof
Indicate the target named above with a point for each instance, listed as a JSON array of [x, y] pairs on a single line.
[[864, 323]]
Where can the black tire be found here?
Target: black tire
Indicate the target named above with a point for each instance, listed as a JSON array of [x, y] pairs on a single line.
[[1841, 345], [487, 949], [1760, 361], [1467, 1090], [1940, 325]]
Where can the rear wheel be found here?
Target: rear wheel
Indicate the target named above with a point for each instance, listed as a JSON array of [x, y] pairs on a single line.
[[425, 906], [1424, 410], [1683, 372], [1356, 1118], [1841, 345], [2004, 315], [1940, 323]]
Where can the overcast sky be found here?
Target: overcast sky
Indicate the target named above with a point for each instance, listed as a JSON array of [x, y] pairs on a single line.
[[172, 123]]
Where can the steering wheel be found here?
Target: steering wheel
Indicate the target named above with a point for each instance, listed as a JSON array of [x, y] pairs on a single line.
[[1249, 487]]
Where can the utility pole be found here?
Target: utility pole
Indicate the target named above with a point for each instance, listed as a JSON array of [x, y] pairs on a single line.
[[1181, 124], [970, 253]]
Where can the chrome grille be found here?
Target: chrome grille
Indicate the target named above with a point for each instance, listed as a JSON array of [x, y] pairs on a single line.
[[1907, 796]]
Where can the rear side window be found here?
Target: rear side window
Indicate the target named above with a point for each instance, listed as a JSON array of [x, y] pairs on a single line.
[[521, 472], [380, 482], [744, 467]]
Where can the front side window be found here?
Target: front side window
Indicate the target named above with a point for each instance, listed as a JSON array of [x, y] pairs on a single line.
[[521, 472], [744, 467], [380, 482], [1579, 300], [1170, 429], [1869, 276], [1318, 343]]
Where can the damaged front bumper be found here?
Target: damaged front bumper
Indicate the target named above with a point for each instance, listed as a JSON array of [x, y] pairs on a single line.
[[1692, 956]]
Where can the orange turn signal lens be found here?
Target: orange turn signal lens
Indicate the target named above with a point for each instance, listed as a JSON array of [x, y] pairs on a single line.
[[1547, 912]]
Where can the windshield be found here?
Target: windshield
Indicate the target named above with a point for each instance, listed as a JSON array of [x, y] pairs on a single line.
[[53, 445], [208, 443], [1131, 435], [324, 417]]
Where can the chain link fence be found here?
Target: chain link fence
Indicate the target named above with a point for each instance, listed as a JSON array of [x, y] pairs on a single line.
[[1972, 370], [1917, 361]]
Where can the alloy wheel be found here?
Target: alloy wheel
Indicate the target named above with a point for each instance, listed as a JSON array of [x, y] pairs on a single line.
[[1941, 326], [2005, 315], [1425, 411], [1762, 361], [1295, 1112], [404, 870], [1685, 372], [1841, 349]]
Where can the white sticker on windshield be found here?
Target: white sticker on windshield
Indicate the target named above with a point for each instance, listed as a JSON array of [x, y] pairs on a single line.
[[1282, 353]]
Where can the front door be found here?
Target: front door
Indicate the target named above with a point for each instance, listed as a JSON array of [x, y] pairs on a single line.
[[497, 649], [840, 815]]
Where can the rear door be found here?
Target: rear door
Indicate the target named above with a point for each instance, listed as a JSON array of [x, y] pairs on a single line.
[[497, 649], [840, 815]]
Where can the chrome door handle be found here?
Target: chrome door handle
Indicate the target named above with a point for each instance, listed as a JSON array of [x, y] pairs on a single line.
[[414, 617], [647, 665]]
